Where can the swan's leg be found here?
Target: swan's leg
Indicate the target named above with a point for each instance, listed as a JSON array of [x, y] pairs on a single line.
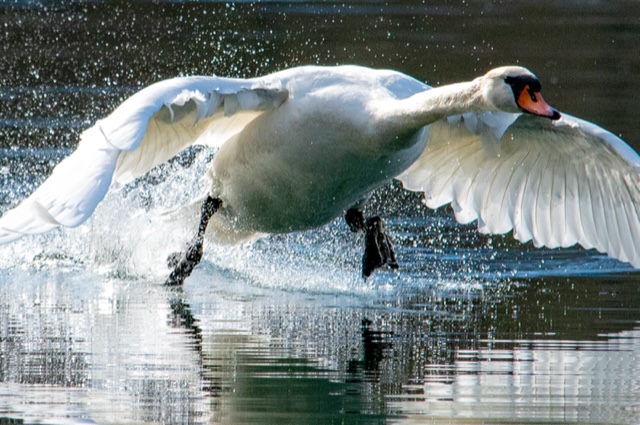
[[378, 249], [184, 263], [355, 219]]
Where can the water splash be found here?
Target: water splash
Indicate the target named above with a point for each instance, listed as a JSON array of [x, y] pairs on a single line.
[[136, 227]]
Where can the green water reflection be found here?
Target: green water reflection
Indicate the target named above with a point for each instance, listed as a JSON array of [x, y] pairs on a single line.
[[552, 350]]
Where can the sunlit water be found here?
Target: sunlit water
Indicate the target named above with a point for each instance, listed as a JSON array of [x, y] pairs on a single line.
[[472, 329]]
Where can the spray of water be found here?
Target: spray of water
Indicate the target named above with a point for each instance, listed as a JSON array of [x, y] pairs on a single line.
[[136, 227]]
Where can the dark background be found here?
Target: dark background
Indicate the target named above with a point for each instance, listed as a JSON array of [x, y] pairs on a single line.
[[65, 64]]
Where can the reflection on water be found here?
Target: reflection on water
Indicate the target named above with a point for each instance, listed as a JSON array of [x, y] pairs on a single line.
[[73, 347], [81, 346], [474, 329], [556, 381]]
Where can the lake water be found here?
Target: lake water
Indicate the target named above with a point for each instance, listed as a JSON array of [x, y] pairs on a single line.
[[472, 329]]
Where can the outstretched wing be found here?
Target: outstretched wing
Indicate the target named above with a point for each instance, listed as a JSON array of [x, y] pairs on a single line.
[[155, 124], [557, 183], [147, 129]]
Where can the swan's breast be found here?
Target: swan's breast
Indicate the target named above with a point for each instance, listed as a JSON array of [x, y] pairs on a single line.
[[303, 164]]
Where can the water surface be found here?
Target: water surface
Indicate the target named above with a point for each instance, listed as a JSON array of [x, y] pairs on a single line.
[[473, 329]]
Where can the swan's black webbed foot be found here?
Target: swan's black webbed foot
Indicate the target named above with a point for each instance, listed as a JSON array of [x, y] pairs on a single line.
[[378, 249], [174, 259], [183, 264]]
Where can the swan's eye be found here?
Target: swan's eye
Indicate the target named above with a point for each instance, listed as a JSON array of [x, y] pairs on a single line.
[[524, 85], [522, 81]]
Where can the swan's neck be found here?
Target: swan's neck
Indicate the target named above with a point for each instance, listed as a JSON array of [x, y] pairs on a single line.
[[429, 106]]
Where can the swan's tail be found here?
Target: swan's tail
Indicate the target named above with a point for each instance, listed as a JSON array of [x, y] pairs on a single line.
[[70, 195]]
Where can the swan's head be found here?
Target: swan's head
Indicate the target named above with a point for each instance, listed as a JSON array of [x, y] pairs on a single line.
[[516, 89]]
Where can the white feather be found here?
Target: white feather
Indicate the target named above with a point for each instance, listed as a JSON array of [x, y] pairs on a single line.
[[147, 129], [178, 113], [555, 183], [70, 195]]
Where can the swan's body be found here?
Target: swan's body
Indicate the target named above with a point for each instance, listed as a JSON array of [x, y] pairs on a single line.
[[304, 163], [299, 147]]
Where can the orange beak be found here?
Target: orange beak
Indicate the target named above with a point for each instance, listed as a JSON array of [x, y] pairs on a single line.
[[531, 102]]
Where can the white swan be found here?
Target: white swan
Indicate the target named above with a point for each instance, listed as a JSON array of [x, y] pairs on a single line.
[[301, 146]]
